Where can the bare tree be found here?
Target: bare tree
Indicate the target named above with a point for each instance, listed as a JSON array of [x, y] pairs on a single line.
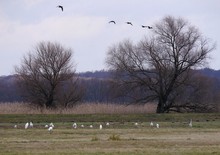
[[160, 66], [44, 71]]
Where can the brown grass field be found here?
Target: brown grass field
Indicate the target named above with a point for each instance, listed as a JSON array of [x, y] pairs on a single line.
[[121, 137], [95, 108]]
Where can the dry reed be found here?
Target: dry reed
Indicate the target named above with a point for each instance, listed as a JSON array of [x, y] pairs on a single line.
[[85, 108]]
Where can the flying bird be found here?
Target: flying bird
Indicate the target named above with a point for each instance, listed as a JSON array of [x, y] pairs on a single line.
[[112, 21], [129, 23], [60, 6], [149, 27]]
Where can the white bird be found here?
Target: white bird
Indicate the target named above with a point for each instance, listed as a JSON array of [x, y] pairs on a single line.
[[157, 125], [151, 124], [46, 126], [26, 125], [100, 126], [91, 126], [51, 125], [136, 124], [74, 125], [107, 124], [50, 129], [15, 126], [190, 123], [31, 125], [82, 126]]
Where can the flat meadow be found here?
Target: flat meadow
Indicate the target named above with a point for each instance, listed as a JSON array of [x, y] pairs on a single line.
[[123, 132]]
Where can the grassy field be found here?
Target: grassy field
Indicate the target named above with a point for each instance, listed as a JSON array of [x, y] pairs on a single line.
[[85, 108], [121, 137]]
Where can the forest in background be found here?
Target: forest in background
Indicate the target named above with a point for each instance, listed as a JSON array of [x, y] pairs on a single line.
[[97, 86]]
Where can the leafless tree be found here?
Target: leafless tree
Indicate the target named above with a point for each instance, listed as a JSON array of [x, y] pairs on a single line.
[[160, 66], [43, 73]]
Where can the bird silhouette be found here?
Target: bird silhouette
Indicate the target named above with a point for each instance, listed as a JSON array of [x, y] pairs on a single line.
[[112, 21], [60, 6], [149, 27], [129, 23]]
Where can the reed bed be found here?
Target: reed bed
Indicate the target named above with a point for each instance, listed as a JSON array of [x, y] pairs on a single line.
[[84, 108]]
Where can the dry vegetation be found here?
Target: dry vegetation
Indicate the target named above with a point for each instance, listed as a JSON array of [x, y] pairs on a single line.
[[86, 108], [121, 137], [167, 141]]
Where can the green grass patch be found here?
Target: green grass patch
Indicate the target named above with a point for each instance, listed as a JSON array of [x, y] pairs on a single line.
[[121, 137]]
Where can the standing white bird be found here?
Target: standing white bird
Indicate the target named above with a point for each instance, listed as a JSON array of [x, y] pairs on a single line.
[[31, 125], [136, 124], [107, 124], [46, 126], [100, 126], [157, 125], [74, 125], [51, 125], [82, 126], [91, 126], [26, 125], [190, 123], [50, 129], [15, 126], [151, 124]]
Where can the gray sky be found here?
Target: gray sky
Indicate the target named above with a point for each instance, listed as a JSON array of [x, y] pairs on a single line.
[[83, 26]]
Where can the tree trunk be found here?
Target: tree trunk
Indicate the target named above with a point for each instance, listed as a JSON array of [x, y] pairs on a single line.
[[160, 107], [50, 100]]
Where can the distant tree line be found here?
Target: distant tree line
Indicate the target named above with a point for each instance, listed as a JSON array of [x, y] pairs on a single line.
[[99, 88]]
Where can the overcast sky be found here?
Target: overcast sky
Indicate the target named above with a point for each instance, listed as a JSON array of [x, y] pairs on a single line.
[[83, 26]]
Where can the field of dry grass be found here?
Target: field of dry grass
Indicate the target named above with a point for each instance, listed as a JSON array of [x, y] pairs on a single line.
[[86, 108], [125, 139], [129, 132]]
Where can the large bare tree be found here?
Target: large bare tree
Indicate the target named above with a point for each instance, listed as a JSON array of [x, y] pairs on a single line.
[[160, 66], [47, 77]]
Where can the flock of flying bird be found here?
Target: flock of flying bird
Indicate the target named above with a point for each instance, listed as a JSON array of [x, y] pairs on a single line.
[[113, 22], [130, 23]]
